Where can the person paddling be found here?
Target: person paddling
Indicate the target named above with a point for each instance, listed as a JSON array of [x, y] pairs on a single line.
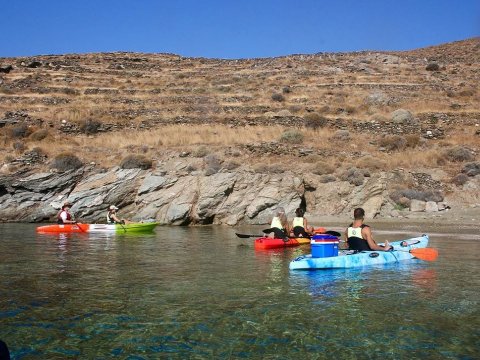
[[112, 217], [64, 216], [359, 235], [300, 226]]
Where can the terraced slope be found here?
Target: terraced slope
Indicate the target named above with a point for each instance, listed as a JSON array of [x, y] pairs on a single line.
[[69, 95], [131, 88]]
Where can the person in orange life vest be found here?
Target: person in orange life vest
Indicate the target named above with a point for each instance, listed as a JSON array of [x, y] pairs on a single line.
[[112, 217], [64, 216], [279, 225], [300, 226], [359, 235]]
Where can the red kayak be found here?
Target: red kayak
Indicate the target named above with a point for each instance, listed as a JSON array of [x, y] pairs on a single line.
[[271, 243]]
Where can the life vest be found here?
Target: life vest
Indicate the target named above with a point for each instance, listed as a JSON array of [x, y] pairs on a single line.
[[355, 239], [276, 223], [297, 221], [109, 219], [59, 216]]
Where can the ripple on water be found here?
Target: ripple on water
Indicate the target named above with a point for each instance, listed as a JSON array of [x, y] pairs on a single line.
[[195, 293]]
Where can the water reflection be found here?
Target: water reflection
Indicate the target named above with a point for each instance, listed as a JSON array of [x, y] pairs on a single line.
[[425, 280], [201, 293], [355, 285]]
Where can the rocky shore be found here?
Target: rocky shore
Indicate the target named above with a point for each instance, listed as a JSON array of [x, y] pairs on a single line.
[[173, 195]]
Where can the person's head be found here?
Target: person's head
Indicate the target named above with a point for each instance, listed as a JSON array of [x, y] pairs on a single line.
[[299, 212], [113, 208], [358, 214], [66, 205]]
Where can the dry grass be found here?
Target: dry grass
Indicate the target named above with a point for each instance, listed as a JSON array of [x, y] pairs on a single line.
[[464, 136], [411, 159], [173, 136], [106, 149]]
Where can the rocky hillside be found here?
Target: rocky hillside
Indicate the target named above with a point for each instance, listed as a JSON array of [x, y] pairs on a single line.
[[393, 131], [144, 90]]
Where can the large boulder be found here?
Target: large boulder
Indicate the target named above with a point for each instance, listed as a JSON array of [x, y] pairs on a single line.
[[417, 205], [402, 116], [471, 169], [431, 206]]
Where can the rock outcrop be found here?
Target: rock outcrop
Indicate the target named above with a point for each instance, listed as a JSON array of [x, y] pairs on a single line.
[[174, 197]]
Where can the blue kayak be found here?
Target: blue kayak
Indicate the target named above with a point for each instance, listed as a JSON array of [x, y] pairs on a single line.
[[350, 258]]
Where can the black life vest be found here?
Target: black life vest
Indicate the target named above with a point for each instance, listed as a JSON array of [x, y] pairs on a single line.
[[355, 240]]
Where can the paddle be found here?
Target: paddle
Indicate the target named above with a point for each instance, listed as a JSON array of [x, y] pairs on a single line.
[[426, 254], [82, 230], [244, 236], [123, 227], [267, 231], [329, 232]]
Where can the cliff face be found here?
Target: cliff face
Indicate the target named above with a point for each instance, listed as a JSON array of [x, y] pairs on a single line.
[[229, 197]]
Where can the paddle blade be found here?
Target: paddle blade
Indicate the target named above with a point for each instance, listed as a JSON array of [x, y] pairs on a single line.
[[427, 254], [244, 236]]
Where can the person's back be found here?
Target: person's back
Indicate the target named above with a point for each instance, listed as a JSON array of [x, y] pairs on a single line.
[[355, 238], [299, 224], [279, 224], [359, 235], [276, 223]]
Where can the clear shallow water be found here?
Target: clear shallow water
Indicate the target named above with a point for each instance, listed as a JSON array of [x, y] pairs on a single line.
[[204, 293]]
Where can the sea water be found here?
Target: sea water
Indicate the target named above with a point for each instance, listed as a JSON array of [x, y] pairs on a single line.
[[203, 293]]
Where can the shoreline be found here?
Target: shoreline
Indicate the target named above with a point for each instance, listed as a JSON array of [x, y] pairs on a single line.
[[457, 217], [465, 217]]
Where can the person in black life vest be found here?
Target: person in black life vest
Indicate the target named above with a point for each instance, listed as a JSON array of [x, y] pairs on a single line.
[[300, 226], [112, 217], [359, 235], [64, 216]]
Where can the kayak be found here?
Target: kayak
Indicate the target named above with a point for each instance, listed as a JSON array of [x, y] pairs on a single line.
[[91, 228], [264, 243], [351, 258], [274, 243]]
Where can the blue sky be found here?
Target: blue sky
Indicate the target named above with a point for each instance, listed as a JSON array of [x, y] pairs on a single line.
[[232, 28]]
